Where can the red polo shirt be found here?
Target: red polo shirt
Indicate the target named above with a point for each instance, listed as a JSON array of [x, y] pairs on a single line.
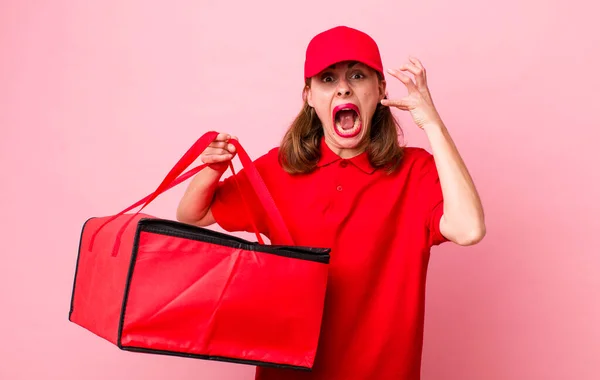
[[380, 229]]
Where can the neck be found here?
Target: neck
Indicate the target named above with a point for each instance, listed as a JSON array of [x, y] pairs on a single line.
[[345, 153]]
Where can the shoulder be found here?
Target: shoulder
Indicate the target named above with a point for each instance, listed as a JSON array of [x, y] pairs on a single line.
[[412, 154], [269, 160], [268, 164], [416, 160]]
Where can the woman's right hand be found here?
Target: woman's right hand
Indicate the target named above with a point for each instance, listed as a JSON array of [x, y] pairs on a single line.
[[219, 153], [194, 207]]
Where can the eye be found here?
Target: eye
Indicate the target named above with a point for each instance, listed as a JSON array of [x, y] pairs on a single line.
[[357, 75], [327, 78]]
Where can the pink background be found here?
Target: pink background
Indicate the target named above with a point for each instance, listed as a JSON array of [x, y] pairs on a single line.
[[112, 93]]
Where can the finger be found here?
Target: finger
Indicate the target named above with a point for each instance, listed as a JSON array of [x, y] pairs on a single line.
[[231, 148], [403, 78], [222, 145], [417, 63], [216, 158], [417, 72], [412, 68], [420, 65], [222, 137], [399, 103], [218, 144], [216, 151]]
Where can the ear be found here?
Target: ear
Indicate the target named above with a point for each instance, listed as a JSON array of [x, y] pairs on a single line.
[[307, 95], [382, 89]]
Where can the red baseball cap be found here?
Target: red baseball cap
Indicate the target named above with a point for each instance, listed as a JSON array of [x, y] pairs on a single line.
[[341, 44]]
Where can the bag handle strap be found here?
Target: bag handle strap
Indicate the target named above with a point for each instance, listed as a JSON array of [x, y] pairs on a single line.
[[281, 233]]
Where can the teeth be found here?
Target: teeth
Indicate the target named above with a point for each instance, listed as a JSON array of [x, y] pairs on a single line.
[[348, 131], [348, 109]]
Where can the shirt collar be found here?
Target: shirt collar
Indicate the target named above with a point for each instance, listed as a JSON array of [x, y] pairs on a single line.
[[329, 157]]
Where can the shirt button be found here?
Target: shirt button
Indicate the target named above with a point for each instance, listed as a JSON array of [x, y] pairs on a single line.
[[339, 188], [344, 164]]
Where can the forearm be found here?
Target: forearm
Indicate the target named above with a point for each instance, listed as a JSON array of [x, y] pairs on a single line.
[[463, 219], [194, 207]]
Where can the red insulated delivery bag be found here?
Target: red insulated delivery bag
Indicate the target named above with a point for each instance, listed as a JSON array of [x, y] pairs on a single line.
[[159, 286]]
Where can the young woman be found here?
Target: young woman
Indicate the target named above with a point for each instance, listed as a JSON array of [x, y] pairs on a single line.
[[342, 180]]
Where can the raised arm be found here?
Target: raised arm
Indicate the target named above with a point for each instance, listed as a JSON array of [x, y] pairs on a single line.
[[463, 218]]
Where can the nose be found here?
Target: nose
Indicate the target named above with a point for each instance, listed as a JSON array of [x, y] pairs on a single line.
[[343, 88]]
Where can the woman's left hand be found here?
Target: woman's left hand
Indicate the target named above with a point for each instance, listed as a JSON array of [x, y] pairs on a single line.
[[418, 101]]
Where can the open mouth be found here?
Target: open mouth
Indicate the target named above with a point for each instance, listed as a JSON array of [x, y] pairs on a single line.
[[346, 120]]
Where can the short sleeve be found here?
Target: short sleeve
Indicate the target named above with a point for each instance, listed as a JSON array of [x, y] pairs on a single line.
[[236, 206], [431, 197]]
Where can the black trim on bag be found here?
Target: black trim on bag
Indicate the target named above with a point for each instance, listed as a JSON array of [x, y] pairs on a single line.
[[187, 231], [215, 358], [77, 266]]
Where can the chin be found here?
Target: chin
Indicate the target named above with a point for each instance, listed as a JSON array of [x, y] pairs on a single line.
[[348, 141]]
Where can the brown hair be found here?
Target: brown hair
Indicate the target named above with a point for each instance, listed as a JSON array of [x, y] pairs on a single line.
[[299, 151]]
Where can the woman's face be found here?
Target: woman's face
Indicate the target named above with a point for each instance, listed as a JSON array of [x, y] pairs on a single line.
[[345, 97]]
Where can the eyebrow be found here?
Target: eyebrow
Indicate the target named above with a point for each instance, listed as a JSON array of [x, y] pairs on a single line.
[[350, 65]]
